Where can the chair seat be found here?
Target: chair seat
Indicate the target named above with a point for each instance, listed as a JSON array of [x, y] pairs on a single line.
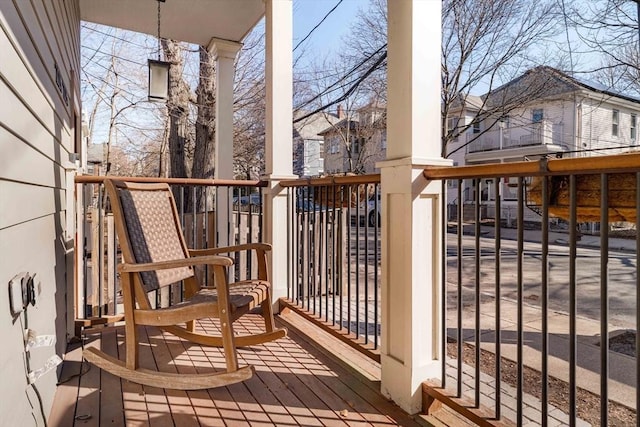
[[247, 293]]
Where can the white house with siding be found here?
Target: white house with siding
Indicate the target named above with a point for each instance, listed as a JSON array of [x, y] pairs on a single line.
[[567, 117]]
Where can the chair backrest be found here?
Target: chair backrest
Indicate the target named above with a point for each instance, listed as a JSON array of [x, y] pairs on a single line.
[[148, 229]]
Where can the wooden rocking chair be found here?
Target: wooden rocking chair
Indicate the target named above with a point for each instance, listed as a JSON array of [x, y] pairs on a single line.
[[155, 255]]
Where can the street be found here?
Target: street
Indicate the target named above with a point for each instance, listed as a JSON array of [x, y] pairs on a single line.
[[622, 277]]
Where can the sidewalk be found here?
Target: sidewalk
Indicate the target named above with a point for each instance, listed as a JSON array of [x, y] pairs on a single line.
[[621, 367], [555, 238]]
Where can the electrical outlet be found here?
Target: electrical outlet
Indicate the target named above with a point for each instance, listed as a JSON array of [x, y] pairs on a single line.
[[17, 293]]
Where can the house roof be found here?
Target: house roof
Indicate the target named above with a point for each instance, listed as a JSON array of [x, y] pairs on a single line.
[[192, 21], [471, 102], [95, 153], [310, 127], [342, 124], [545, 81]]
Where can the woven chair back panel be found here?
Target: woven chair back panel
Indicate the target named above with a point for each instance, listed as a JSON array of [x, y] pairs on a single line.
[[153, 235]]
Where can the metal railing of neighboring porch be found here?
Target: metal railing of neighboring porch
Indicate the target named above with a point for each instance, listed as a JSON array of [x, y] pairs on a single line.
[[202, 204], [334, 248], [487, 277]]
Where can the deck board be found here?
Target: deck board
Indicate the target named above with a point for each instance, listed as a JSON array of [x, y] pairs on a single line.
[[294, 384]]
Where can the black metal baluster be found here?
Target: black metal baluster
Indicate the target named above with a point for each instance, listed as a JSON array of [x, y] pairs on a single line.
[[520, 291], [320, 247], [637, 296], [358, 263], [335, 224], [348, 258], [376, 284], [498, 341], [604, 299], [477, 293], [366, 266], [459, 289], [573, 345], [545, 301]]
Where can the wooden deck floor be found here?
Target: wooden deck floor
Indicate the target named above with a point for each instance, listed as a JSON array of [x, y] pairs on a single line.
[[294, 384]]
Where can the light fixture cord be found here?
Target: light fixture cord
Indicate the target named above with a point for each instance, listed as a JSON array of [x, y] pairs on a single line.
[[159, 43]]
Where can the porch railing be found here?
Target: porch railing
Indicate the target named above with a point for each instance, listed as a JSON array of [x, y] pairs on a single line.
[[334, 245], [535, 317], [213, 213]]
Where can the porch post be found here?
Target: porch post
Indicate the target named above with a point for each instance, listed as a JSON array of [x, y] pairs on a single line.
[[224, 52], [411, 211], [278, 134]]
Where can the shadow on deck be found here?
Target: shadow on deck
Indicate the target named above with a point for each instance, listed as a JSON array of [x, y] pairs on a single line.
[[294, 384]]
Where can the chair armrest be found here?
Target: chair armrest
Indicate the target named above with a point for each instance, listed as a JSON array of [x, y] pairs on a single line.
[[229, 249], [186, 262]]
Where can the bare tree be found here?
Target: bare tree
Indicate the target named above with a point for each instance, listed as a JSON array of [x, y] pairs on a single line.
[[609, 29], [204, 152], [249, 107], [180, 136], [485, 43]]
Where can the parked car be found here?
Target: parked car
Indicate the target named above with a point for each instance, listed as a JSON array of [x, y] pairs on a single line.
[[306, 205], [253, 200], [368, 211]]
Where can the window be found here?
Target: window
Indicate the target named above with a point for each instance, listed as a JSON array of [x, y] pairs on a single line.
[[453, 183], [384, 141], [537, 115], [476, 126], [452, 125], [634, 122], [614, 122], [505, 122]]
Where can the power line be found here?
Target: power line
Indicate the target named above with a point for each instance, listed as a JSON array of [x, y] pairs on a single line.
[[112, 55], [317, 25], [371, 69], [114, 36], [347, 75]]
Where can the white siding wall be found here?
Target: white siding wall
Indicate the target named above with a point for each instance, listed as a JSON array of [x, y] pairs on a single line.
[[560, 113], [597, 127], [36, 137]]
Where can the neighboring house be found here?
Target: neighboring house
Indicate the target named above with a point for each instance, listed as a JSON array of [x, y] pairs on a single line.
[[564, 117], [461, 116], [355, 144], [308, 146], [96, 154]]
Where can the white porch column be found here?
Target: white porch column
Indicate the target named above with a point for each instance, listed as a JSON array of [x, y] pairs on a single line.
[[279, 131], [411, 211], [224, 53]]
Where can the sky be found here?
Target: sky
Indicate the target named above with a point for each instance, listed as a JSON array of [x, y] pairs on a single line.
[[326, 38], [324, 41]]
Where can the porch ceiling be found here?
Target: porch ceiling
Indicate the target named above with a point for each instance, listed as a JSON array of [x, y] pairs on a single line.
[[193, 21]]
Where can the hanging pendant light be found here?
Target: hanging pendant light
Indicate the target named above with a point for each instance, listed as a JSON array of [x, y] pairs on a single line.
[[158, 72]]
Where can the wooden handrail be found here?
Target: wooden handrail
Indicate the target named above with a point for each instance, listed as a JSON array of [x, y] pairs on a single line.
[[332, 180], [581, 165], [93, 179]]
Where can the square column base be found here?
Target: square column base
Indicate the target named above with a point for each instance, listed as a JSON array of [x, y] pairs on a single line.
[[411, 279]]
